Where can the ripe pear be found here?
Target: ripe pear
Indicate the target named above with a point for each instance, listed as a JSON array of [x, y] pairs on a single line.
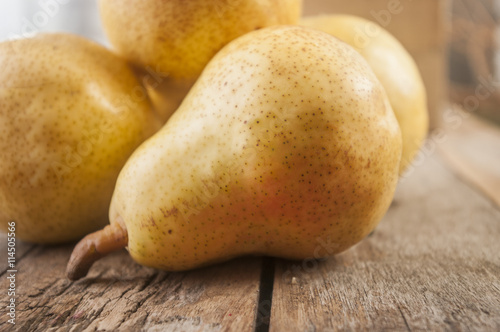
[[286, 141], [176, 39], [394, 67], [71, 113]]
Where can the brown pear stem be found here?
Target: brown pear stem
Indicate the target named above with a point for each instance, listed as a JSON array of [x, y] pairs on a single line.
[[93, 247]]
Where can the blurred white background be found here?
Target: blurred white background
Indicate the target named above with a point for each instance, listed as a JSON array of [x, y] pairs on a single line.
[[24, 18]]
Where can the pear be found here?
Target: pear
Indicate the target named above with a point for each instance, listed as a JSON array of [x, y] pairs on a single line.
[[287, 141], [394, 67], [176, 39], [71, 113]]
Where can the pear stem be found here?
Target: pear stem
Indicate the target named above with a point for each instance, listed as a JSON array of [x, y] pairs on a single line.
[[93, 247]]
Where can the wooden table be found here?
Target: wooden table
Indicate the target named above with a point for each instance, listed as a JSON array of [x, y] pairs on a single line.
[[433, 264]]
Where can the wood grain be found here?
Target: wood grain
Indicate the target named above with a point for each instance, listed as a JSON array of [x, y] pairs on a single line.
[[433, 264], [121, 295]]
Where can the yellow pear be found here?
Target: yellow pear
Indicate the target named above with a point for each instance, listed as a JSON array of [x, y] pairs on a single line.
[[71, 113], [175, 40], [287, 142], [394, 67]]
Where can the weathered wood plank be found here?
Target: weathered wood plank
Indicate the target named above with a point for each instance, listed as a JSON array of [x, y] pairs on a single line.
[[121, 295], [472, 148], [433, 264]]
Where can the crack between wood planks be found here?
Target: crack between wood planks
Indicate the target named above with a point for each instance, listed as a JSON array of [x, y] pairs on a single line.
[[264, 304], [404, 318]]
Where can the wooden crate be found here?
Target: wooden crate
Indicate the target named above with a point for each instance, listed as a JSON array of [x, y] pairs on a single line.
[[421, 26]]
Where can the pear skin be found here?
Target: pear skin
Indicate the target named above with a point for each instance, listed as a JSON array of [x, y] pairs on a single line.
[[71, 113], [394, 67], [286, 141], [180, 37]]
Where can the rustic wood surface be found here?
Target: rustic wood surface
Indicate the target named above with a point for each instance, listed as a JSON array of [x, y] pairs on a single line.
[[119, 295], [432, 264]]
